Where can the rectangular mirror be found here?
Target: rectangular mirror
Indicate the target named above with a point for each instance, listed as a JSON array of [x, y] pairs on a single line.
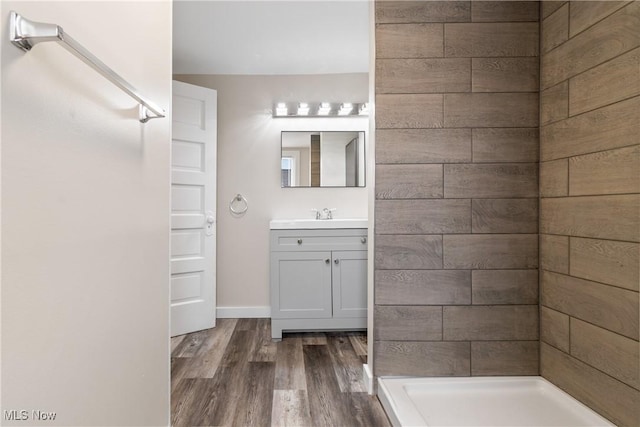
[[322, 159]]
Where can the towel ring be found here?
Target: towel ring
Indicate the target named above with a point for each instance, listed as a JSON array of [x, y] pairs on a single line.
[[239, 199]]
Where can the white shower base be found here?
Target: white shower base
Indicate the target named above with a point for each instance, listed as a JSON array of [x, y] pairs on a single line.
[[482, 401]]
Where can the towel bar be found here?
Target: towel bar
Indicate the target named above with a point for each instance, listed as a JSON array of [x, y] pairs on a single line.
[[25, 34]]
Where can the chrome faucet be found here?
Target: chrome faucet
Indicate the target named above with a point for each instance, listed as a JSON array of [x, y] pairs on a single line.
[[325, 213]]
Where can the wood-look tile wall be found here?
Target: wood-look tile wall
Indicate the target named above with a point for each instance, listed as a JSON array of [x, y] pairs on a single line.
[[456, 249], [590, 203]]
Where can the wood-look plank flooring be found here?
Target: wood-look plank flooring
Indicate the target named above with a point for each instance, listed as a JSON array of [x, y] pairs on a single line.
[[234, 375]]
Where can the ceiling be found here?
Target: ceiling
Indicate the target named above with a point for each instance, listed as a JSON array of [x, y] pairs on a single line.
[[271, 37]]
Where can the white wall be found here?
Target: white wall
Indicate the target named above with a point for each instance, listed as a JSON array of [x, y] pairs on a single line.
[[85, 219], [371, 194], [249, 163]]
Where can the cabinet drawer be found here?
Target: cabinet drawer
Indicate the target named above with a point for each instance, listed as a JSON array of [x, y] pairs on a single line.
[[351, 239]]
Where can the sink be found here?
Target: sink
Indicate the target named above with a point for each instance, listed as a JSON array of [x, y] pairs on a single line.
[[293, 224]]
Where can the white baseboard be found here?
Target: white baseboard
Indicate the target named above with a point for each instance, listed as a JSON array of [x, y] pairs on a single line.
[[367, 375], [242, 312]]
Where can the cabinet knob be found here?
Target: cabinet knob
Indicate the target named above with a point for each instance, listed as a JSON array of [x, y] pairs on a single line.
[[336, 261], [327, 261], [299, 241], [363, 240]]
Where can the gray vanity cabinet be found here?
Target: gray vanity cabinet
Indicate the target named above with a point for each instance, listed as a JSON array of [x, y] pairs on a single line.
[[349, 283], [318, 280], [303, 282]]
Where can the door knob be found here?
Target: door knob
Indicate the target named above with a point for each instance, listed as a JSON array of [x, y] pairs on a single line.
[[209, 225], [363, 240], [327, 260], [336, 261]]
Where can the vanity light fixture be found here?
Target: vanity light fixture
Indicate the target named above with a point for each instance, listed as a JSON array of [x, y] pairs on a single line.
[[281, 109], [303, 109], [345, 109], [324, 109], [319, 109]]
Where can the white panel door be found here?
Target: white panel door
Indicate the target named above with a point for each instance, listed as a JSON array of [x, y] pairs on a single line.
[[193, 208]]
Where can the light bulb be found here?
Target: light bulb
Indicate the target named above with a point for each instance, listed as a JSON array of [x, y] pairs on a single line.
[[324, 109], [345, 109], [281, 109], [303, 109]]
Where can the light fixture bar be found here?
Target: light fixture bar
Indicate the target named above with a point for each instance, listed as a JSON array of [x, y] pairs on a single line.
[[319, 109]]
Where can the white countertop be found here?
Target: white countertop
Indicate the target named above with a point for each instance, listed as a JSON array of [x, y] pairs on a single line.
[[294, 224]]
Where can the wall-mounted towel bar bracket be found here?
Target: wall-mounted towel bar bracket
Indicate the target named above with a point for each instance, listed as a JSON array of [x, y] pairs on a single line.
[[25, 34]]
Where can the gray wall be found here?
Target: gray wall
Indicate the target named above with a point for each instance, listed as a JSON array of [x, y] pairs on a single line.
[[456, 210], [590, 206]]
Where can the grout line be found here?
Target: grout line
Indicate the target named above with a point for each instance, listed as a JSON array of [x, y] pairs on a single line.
[[444, 38], [569, 256], [442, 128], [471, 141], [601, 106], [569, 334], [590, 280], [460, 92], [492, 162], [568, 188], [576, 196], [595, 23], [471, 76], [471, 276], [569, 21], [442, 322], [591, 238], [590, 152], [586, 321], [595, 66], [568, 106], [470, 360], [444, 96], [590, 111], [541, 18]]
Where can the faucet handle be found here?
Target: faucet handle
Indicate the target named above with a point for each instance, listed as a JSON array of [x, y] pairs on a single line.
[[330, 213], [317, 213]]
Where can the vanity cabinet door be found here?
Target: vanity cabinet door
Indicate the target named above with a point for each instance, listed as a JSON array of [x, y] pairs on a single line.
[[349, 283], [303, 285]]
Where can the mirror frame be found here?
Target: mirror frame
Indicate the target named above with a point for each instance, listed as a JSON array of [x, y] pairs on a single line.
[[364, 154]]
